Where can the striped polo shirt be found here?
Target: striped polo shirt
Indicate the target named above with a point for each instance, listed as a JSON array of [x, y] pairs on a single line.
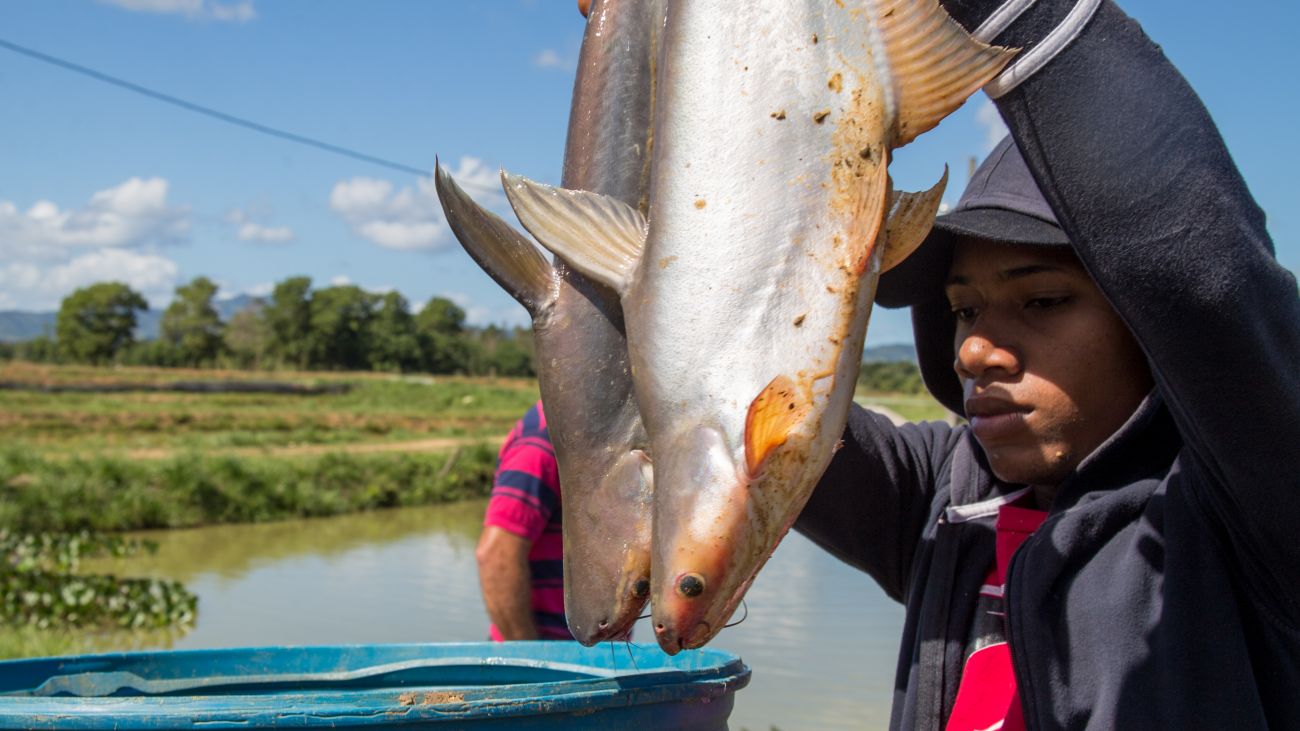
[[526, 502]]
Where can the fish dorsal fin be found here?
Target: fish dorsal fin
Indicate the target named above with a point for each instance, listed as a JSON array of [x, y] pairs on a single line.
[[504, 253], [911, 215], [934, 62], [773, 414], [600, 236]]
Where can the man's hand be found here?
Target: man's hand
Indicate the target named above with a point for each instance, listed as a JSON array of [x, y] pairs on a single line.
[[506, 582]]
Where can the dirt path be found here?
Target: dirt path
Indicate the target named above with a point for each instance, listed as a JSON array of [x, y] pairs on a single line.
[[306, 450]]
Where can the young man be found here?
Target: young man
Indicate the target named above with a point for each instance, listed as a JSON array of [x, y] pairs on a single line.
[[520, 554], [1111, 542]]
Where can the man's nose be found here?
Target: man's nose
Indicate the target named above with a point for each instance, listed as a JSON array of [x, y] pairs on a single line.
[[980, 352]]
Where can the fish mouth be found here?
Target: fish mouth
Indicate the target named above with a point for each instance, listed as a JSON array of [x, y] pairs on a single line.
[[673, 642], [616, 627]]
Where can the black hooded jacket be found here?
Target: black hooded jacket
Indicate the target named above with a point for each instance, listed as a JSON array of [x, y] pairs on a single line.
[[1163, 590]]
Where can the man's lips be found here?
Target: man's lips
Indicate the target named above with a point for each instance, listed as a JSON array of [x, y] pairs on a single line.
[[994, 418]]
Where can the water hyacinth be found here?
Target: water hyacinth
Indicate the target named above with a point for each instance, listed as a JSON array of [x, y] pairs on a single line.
[[39, 586]]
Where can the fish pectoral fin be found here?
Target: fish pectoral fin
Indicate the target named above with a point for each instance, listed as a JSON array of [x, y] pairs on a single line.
[[911, 215], [934, 61], [600, 236], [773, 415], [504, 253], [864, 232]]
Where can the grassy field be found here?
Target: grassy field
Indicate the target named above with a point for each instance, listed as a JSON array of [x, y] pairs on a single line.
[[378, 409], [912, 407]]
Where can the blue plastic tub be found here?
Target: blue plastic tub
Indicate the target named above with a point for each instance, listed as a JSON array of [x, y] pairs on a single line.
[[515, 685]]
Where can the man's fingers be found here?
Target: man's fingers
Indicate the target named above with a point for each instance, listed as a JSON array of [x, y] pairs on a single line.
[[584, 7]]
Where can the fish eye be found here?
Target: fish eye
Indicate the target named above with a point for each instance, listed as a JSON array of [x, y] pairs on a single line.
[[641, 589], [690, 585]]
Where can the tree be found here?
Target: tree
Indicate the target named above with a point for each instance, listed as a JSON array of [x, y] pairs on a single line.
[[40, 349], [440, 326], [191, 324], [394, 345], [98, 321], [891, 377], [288, 321], [247, 338], [340, 327], [498, 352]]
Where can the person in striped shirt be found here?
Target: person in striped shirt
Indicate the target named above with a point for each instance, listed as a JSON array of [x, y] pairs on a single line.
[[520, 554]]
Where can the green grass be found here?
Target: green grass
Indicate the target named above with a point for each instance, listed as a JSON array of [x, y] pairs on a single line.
[[378, 408], [105, 493], [920, 407]]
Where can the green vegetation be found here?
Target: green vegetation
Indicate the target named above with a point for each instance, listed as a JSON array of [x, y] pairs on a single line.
[[335, 328], [897, 386], [101, 493], [377, 409], [891, 377], [97, 322], [921, 407], [39, 587]]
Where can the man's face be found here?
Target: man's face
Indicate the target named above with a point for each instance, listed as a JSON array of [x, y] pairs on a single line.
[[1048, 369]]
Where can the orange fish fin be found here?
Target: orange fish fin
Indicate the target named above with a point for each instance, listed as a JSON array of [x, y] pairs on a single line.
[[911, 215], [864, 233], [773, 414], [935, 63]]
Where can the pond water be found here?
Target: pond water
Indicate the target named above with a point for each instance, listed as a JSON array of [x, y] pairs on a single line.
[[820, 637]]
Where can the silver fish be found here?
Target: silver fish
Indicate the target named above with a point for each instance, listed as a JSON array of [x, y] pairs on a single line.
[[600, 443], [748, 294]]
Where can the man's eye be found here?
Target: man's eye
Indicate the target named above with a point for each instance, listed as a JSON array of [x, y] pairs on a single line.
[[964, 314], [1043, 303]]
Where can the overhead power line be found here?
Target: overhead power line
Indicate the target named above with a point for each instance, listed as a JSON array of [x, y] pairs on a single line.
[[215, 113]]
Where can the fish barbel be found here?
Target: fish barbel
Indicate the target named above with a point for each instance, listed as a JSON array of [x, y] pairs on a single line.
[[748, 294], [583, 371]]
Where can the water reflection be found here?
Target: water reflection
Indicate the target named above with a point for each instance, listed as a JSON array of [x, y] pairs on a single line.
[[820, 637]]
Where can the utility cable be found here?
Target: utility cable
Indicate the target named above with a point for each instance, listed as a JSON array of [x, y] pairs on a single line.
[[217, 114]]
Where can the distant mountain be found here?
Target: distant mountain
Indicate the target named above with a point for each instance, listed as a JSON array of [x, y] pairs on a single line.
[[889, 353], [18, 325]]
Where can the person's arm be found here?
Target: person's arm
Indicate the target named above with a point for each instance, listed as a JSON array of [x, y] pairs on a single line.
[[1141, 181], [871, 505], [506, 582], [525, 494]]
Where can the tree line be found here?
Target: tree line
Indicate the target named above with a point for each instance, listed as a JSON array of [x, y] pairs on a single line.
[[341, 327]]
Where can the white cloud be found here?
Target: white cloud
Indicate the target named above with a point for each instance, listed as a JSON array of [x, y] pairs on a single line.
[[30, 286], [247, 228], [548, 58], [341, 280], [48, 251], [264, 234], [131, 214], [991, 122], [410, 218], [236, 12]]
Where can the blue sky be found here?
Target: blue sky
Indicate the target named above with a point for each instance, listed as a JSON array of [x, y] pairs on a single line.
[[98, 183]]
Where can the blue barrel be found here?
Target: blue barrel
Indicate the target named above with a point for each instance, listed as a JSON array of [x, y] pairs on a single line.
[[481, 685]]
